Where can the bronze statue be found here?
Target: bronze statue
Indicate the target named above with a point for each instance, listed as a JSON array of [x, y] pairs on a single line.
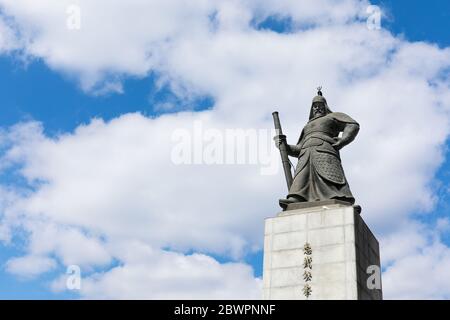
[[319, 174]]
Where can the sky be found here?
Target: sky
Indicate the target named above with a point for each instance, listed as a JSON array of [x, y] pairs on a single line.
[[92, 111]]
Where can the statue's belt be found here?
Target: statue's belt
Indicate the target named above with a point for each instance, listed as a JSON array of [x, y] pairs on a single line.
[[317, 135]]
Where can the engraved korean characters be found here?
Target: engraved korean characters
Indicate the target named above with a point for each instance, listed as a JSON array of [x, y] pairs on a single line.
[[307, 269]]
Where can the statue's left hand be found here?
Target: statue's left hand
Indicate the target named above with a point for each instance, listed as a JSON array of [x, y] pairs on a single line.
[[338, 144]]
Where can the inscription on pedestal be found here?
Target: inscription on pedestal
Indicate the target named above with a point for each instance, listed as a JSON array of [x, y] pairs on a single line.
[[307, 273]]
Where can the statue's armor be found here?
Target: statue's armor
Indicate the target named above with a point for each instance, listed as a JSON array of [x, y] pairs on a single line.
[[318, 156], [317, 139]]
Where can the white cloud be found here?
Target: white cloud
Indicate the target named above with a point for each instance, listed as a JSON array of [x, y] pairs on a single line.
[[418, 263], [154, 274], [114, 182], [120, 179], [115, 37], [443, 224], [405, 241], [8, 40], [71, 245], [150, 29], [30, 266]]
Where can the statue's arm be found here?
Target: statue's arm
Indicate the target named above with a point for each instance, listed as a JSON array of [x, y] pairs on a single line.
[[292, 149], [349, 128], [349, 134]]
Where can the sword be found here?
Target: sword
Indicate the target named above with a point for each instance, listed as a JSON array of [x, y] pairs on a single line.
[[283, 150]]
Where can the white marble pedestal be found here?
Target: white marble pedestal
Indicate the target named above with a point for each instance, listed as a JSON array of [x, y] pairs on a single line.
[[342, 248]]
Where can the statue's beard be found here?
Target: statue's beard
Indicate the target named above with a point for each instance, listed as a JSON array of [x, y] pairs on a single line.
[[318, 113]]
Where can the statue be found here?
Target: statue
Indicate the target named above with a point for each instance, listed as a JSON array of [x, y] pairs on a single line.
[[319, 174]]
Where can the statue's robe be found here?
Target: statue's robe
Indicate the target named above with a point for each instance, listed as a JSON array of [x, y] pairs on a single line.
[[319, 174]]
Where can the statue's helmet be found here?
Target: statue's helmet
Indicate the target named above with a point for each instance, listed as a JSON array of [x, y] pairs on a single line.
[[319, 98]]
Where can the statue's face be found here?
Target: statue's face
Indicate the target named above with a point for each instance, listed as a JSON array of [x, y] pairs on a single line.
[[318, 109]]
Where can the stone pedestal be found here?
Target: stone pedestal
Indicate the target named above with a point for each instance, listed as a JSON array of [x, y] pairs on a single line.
[[336, 267]]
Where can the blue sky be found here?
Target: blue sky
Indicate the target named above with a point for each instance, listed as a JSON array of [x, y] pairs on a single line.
[[418, 21], [33, 91]]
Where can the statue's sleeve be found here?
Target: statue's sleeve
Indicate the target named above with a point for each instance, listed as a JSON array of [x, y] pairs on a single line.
[[348, 126], [343, 119]]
